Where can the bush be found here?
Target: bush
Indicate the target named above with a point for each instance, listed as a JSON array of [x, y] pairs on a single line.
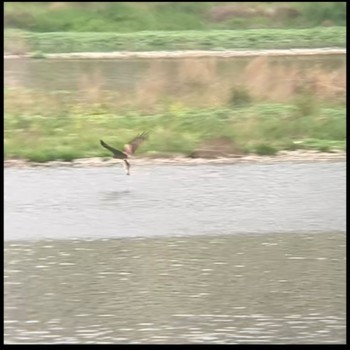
[[263, 149], [240, 96]]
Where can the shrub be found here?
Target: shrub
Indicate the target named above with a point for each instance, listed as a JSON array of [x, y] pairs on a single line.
[[240, 96], [263, 149]]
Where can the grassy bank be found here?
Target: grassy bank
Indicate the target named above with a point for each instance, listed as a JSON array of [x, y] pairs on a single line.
[[262, 128], [19, 42], [124, 17]]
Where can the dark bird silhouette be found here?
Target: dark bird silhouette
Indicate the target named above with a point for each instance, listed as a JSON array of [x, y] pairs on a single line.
[[129, 149]]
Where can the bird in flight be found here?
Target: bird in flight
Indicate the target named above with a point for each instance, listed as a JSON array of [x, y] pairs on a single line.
[[129, 149]]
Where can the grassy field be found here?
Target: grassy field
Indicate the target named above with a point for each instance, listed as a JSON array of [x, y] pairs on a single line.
[[267, 107], [273, 110], [261, 128], [126, 17], [18, 42]]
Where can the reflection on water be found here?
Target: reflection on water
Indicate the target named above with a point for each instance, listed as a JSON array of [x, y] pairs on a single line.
[[114, 196], [271, 288]]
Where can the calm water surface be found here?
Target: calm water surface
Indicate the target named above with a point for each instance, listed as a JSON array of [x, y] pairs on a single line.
[[176, 254]]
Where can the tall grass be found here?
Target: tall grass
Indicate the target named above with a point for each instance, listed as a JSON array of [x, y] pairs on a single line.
[[202, 83], [266, 107]]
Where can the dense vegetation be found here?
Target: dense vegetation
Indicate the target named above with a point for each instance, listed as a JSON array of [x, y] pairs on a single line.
[[65, 42], [298, 112], [56, 27], [124, 17], [66, 131]]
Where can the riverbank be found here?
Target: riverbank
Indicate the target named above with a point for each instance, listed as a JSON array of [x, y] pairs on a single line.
[[186, 54], [253, 128], [282, 156]]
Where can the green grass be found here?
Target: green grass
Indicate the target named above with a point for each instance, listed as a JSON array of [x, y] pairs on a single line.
[[126, 17], [65, 42], [40, 127], [259, 128]]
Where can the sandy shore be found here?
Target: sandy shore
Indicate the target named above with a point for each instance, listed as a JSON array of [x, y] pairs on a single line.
[[283, 156], [187, 54]]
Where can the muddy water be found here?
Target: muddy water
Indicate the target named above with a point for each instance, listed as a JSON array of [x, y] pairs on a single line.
[[176, 254]]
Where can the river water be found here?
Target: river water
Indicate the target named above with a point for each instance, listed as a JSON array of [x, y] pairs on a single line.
[[177, 254]]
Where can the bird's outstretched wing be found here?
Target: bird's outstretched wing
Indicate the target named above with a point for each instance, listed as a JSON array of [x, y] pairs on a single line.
[[116, 153], [132, 146]]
